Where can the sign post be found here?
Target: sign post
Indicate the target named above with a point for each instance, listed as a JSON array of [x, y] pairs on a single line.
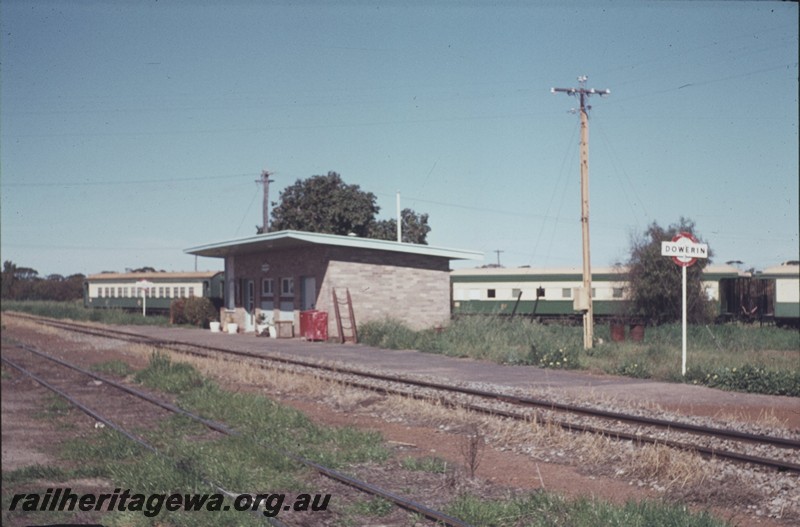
[[144, 285], [684, 250]]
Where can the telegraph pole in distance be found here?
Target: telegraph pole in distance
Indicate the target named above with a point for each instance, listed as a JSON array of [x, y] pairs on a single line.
[[583, 93], [265, 180], [498, 251]]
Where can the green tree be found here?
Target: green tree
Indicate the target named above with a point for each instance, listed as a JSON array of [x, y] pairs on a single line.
[[654, 281], [24, 283], [415, 228], [327, 204], [18, 282]]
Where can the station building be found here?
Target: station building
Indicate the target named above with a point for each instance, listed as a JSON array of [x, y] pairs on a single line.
[[278, 275]]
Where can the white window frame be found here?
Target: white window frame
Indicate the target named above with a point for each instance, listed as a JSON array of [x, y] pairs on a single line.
[[287, 287], [268, 287]]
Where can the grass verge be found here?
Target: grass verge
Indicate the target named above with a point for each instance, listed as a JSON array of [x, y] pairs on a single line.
[[76, 311], [543, 509], [734, 357]]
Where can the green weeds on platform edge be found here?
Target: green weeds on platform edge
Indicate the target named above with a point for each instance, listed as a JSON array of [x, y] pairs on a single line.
[[737, 357]]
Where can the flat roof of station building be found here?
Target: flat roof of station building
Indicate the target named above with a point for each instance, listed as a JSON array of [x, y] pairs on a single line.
[[291, 239]]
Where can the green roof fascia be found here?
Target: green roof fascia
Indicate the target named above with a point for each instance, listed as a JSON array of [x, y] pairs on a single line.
[[298, 238]]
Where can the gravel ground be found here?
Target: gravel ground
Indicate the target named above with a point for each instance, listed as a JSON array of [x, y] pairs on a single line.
[[514, 460]]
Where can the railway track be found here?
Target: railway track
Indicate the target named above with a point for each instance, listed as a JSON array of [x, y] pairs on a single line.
[[708, 441], [438, 517]]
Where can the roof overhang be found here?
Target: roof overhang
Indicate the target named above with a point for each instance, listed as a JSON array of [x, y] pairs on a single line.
[[273, 241]]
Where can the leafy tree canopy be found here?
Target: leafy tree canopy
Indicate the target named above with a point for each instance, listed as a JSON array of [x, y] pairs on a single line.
[[146, 269], [415, 228], [326, 204], [654, 281], [24, 283]]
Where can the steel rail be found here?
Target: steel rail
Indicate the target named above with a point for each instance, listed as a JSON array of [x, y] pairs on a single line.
[[708, 452], [404, 503], [511, 399], [108, 422]]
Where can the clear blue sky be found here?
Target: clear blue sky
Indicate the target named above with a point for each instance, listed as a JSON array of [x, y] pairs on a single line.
[[133, 130]]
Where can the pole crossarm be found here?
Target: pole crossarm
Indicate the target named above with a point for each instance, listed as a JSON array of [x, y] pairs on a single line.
[[583, 92]]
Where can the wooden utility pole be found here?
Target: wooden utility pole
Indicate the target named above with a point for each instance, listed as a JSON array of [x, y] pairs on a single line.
[[588, 313], [265, 180], [498, 251]]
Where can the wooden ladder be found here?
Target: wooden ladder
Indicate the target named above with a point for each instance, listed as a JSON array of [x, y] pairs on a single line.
[[348, 324]]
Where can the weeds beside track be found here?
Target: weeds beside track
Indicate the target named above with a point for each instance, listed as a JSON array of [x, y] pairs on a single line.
[[444, 393]]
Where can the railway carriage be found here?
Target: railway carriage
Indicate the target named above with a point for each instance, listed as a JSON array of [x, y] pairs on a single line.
[[782, 292], [544, 293], [120, 290], [550, 293]]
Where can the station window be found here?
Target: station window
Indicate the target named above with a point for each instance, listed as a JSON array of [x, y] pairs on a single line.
[[125, 292], [161, 292], [100, 292], [287, 286], [267, 287], [491, 293], [191, 291], [175, 292], [183, 292]]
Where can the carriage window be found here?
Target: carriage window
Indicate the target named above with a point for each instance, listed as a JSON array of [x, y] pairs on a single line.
[[566, 292], [491, 293], [515, 293], [540, 292], [616, 292]]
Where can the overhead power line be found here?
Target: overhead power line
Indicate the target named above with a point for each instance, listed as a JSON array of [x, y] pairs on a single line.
[[122, 182]]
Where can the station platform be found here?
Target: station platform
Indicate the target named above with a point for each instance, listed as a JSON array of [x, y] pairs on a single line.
[[579, 385]]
